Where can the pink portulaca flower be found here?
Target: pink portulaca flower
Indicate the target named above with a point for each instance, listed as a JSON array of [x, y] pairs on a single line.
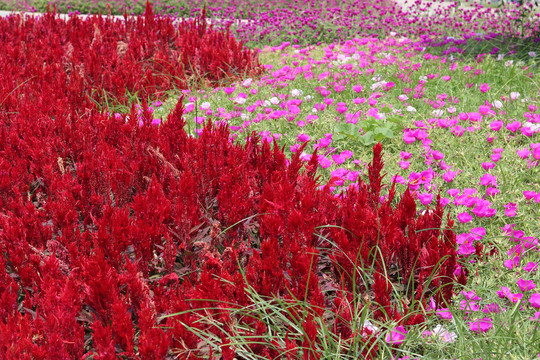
[[396, 336], [496, 125], [484, 88], [481, 325], [510, 209], [526, 285], [513, 126], [464, 217], [425, 198], [535, 300]]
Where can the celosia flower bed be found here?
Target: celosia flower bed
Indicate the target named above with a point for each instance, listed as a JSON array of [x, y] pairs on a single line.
[[74, 64], [112, 226]]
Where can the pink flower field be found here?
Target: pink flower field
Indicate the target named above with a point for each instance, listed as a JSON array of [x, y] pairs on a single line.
[[287, 180]]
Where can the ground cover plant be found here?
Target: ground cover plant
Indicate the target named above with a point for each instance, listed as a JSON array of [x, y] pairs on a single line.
[[249, 217]]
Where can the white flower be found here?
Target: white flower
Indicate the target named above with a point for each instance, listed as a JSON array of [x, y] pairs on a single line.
[[296, 92], [444, 335], [534, 127], [368, 325], [509, 63], [274, 100], [247, 82], [532, 54], [500, 57], [498, 104], [438, 112], [451, 109], [403, 97], [267, 103], [423, 78], [240, 100], [206, 106], [378, 85], [514, 95], [410, 109], [308, 97], [393, 33], [244, 116], [376, 78]]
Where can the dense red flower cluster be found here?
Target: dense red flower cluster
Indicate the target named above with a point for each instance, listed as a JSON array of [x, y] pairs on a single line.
[[72, 64], [108, 223]]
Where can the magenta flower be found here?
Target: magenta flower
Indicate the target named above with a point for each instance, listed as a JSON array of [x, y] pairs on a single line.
[[437, 155], [484, 88], [466, 249], [449, 176], [481, 325], [488, 180], [426, 176], [495, 157], [496, 125], [357, 88], [325, 162], [515, 298], [530, 266], [468, 306], [527, 131], [404, 164], [396, 336], [535, 300], [514, 126], [510, 209], [492, 308], [444, 313], [526, 285], [347, 154], [405, 155], [303, 137], [425, 198], [341, 107], [504, 292], [464, 217], [470, 295], [488, 165], [338, 159], [524, 153]]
